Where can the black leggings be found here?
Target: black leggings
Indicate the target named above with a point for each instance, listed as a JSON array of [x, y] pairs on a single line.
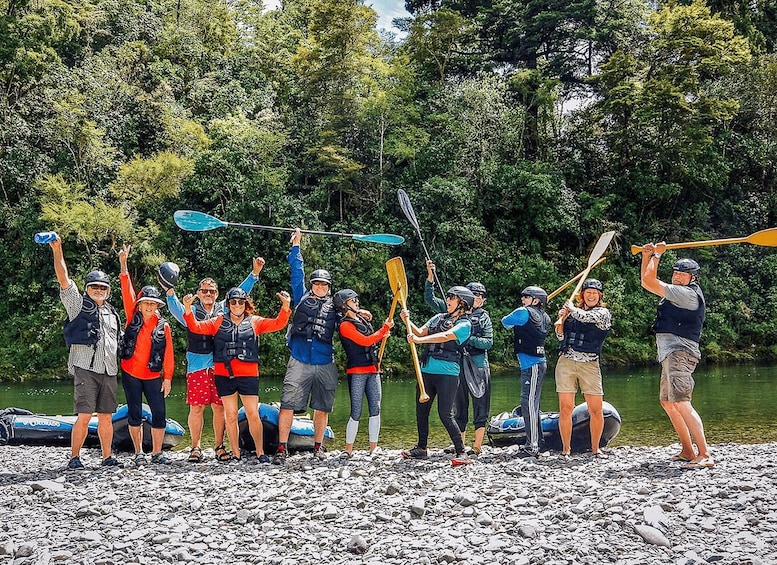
[[443, 387]]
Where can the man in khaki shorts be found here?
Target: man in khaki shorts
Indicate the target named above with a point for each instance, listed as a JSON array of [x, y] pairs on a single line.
[[678, 327], [582, 333]]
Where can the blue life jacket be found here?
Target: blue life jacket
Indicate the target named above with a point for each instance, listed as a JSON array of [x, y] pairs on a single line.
[[359, 355], [200, 343], [158, 342], [679, 321], [585, 337], [446, 351], [314, 318], [530, 337], [236, 341]]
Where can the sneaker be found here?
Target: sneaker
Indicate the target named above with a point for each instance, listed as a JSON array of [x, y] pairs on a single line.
[[75, 463], [111, 461], [280, 457], [461, 459], [376, 452], [320, 453], [346, 455], [263, 458], [414, 453], [524, 452], [451, 449]]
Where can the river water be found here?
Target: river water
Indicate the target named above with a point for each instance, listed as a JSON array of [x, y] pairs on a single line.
[[733, 401]]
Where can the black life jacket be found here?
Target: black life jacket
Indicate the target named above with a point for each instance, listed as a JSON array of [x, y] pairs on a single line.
[[448, 350], [235, 341], [359, 355], [158, 342], [585, 337], [84, 329], [314, 317], [530, 337], [679, 321], [200, 343], [475, 318]]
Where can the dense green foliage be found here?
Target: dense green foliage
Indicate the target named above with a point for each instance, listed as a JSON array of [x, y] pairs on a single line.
[[521, 131]]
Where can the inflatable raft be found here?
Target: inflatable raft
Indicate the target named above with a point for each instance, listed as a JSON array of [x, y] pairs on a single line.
[[300, 437], [508, 428], [22, 427]]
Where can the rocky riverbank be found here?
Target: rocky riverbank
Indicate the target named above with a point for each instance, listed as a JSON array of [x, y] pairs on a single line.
[[637, 507]]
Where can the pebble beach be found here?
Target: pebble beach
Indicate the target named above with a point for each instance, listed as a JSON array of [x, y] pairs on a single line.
[[637, 507]]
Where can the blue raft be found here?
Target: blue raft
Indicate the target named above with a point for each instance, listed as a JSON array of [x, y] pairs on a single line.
[[300, 437], [508, 428], [22, 427]]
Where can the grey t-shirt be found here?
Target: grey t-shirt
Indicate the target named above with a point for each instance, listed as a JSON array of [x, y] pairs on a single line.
[[686, 298]]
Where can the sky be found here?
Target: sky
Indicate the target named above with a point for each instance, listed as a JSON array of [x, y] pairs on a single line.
[[387, 10]]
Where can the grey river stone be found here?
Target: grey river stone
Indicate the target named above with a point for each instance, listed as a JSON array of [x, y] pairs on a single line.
[[636, 507]]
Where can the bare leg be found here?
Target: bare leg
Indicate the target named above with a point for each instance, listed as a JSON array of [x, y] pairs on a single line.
[[255, 426], [566, 403], [105, 431], [136, 435], [230, 413], [596, 423], [680, 426], [479, 433], [320, 420], [157, 437], [285, 418], [195, 423], [694, 426], [219, 423], [79, 433]]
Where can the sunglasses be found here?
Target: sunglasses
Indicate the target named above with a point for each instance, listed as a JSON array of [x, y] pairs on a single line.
[[99, 287], [478, 294], [208, 291], [450, 296], [236, 301]]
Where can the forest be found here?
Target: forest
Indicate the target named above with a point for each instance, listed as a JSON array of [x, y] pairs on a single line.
[[521, 131]]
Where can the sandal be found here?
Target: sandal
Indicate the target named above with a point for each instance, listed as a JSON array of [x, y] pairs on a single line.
[[600, 455], [700, 463], [220, 451], [681, 458], [161, 459], [225, 456], [140, 459], [195, 455]]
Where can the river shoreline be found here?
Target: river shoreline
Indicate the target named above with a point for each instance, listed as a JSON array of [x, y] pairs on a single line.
[[638, 506]]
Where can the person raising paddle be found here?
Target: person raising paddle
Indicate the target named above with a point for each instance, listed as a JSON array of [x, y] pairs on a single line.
[[678, 328], [582, 333]]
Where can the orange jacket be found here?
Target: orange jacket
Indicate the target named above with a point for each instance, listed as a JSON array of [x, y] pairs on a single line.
[[137, 365], [349, 331], [260, 325]]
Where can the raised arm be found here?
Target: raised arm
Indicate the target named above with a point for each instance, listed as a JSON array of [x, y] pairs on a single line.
[[60, 268], [651, 256]]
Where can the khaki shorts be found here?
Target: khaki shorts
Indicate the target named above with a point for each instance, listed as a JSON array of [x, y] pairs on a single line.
[[677, 377], [303, 382], [94, 392], [587, 374]]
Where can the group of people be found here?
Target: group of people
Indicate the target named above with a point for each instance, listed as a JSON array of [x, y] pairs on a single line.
[[223, 358]]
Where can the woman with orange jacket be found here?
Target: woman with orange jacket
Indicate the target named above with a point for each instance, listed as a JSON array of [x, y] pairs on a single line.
[[147, 363], [236, 360]]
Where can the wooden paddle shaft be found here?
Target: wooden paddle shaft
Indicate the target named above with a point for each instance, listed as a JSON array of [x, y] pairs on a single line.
[[767, 238], [563, 287], [390, 317], [422, 396]]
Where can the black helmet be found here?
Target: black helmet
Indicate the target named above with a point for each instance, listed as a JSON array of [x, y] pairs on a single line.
[[593, 283], [464, 294], [687, 266], [237, 292], [321, 275], [167, 275], [150, 294], [536, 292], [343, 296], [98, 277], [477, 287]]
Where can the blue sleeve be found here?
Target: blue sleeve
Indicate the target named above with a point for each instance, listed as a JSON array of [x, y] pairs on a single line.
[[176, 308], [249, 282], [517, 317], [297, 265]]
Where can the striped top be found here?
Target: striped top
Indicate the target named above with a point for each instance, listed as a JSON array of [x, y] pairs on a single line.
[[92, 358]]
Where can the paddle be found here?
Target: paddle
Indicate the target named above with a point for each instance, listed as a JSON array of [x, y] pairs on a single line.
[[407, 208], [560, 289], [398, 282], [190, 220], [767, 238], [596, 254], [390, 317]]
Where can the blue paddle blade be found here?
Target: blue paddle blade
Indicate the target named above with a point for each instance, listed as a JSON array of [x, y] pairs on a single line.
[[190, 220], [385, 238]]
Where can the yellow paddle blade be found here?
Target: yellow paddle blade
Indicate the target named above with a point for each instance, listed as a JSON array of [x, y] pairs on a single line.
[[397, 278]]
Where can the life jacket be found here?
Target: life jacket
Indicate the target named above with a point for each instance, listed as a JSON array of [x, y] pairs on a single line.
[[200, 343], [84, 329], [158, 342], [235, 341], [529, 338], [448, 350], [585, 337], [477, 331], [359, 355], [314, 318], [679, 321]]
